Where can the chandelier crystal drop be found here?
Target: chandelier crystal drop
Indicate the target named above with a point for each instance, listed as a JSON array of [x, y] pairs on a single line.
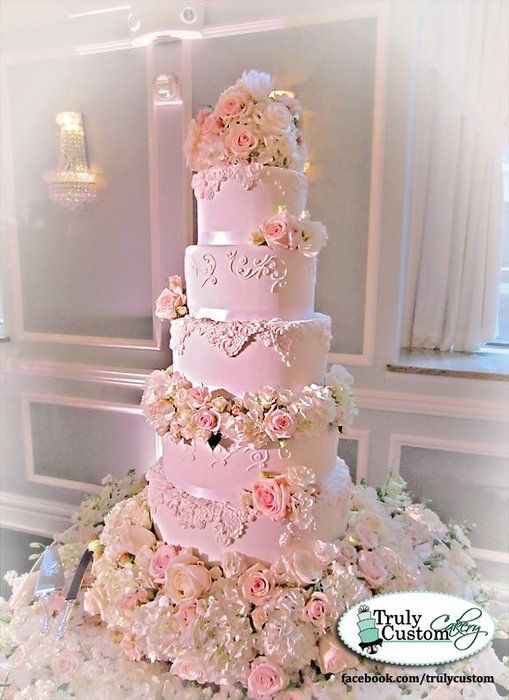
[[72, 185]]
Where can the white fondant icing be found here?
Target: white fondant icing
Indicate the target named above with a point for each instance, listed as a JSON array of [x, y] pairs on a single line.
[[234, 200], [245, 355], [245, 283]]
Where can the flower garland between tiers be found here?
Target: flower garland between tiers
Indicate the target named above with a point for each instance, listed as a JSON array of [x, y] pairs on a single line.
[[175, 407]]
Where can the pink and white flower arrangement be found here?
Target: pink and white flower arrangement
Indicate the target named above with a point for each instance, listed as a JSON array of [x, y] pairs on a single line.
[[171, 303], [174, 406], [285, 230], [249, 124], [274, 624]]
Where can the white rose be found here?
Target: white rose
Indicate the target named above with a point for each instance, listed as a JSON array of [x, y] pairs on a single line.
[[185, 582], [303, 564], [313, 237], [259, 85], [274, 119]]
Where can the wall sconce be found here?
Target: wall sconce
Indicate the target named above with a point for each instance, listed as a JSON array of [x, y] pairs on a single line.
[[73, 184], [166, 89]]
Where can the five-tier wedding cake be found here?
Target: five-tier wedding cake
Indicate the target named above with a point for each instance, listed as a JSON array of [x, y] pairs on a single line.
[[250, 540]]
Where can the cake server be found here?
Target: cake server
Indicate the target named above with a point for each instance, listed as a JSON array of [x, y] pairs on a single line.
[[73, 591], [51, 579]]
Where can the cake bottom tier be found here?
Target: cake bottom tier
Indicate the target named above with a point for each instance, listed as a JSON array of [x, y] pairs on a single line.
[[214, 527]]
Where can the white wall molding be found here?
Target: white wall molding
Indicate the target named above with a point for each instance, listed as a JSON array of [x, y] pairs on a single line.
[[59, 482], [361, 437], [432, 405], [76, 372], [398, 441], [34, 515], [491, 555], [156, 263]]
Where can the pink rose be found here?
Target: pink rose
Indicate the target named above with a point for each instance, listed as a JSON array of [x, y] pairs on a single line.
[[65, 663], [259, 616], [241, 141], [279, 424], [233, 105], [134, 599], [202, 115], [207, 419], [257, 584], [170, 304], [315, 610], [160, 561], [271, 497], [130, 649], [186, 582], [211, 125], [266, 678], [187, 613], [197, 396], [347, 553], [372, 568], [333, 657], [278, 231]]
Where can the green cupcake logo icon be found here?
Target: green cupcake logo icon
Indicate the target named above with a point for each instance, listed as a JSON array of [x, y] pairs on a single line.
[[368, 632]]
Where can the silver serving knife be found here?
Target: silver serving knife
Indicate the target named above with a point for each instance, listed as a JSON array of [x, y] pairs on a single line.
[[73, 591], [51, 579]]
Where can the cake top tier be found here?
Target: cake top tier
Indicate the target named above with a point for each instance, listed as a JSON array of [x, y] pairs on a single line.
[[251, 123]]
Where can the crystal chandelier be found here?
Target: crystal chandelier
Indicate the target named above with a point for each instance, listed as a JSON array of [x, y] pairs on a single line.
[[72, 185]]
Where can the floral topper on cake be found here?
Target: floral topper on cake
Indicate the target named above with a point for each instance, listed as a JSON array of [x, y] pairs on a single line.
[[249, 124]]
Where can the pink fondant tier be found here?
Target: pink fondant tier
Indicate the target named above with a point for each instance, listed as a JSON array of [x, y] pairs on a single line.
[[247, 282], [233, 200], [242, 356], [214, 527], [224, 473]]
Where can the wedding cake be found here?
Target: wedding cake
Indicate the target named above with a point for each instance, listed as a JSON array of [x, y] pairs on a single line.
[[248, 415], [249, 540]]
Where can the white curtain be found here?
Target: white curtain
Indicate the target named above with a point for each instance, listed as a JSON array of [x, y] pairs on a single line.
[[456, 220]]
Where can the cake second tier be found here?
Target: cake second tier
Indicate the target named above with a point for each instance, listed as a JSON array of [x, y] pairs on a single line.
[[255, 502], [246, 282]]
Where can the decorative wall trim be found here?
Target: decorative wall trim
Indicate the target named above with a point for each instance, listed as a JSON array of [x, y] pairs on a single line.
[[362, 439], [47, 480], [491, 555], [34, 515], [76, 372], [398, 441], [432, 405], [156, 273]]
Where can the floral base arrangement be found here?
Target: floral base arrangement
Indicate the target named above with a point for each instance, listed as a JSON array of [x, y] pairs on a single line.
[[157, 621]]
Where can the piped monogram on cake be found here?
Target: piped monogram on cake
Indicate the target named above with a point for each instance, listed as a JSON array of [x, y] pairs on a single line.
[[268, 266]]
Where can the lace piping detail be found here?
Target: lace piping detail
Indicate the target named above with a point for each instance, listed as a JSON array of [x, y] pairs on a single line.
[[193, 513], [230, 337], [207, 182]]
